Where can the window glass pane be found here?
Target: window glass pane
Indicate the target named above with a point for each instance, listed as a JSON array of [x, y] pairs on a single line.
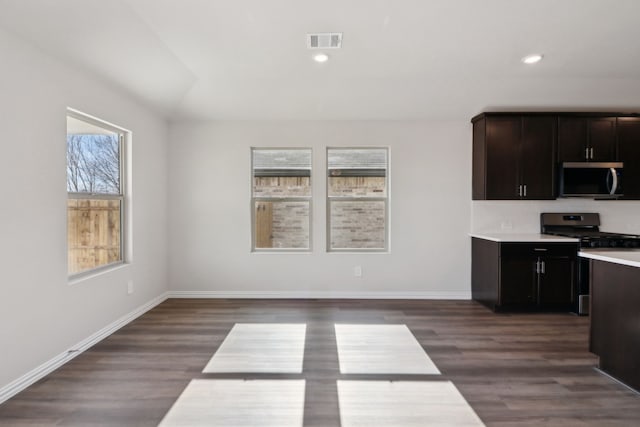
[[357, 196], [357, 172], [281, 173], [281, 186], [281, 224], [93, 162], [357, 186], [95, 194], [357, 224], [93, 233]]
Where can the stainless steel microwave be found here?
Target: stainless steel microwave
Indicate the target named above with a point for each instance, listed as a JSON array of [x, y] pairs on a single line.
[[591, 179]]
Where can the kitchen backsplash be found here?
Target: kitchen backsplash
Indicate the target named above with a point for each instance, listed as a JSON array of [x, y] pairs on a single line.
[[511, 216]]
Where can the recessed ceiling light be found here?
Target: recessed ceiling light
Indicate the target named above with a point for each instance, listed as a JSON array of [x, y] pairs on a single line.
[[532, 59], [321, 57]]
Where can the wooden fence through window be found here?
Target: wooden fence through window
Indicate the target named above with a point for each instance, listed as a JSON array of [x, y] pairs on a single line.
[[93, 233]]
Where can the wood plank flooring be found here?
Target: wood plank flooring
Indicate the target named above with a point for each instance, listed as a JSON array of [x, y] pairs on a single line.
[[513, 369], [381, 349], [269, 403], [260, 348]]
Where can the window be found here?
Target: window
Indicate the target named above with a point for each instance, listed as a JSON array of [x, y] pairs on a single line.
[[95, 205], [358, 195], [281, 199]]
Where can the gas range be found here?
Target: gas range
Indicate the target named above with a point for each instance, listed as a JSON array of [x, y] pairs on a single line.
[[602, 239], [586, 227]]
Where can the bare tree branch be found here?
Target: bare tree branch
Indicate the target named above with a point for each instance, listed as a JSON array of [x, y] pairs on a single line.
[[93, 164]]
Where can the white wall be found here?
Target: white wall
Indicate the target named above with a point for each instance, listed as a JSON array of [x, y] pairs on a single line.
[[210, 190], [41, 315], [431, 212]]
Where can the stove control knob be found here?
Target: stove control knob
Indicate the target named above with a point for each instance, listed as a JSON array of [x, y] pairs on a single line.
[[593, 244]]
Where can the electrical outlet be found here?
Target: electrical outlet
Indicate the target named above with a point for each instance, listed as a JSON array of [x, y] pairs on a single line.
[[357, 271], [130, 287]]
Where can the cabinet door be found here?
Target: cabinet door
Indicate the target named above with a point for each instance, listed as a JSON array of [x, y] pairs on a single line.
[[556, 282], [485, 271], [572, 139], [537, 157], [502, 155], [518, 281], [602, 139], [629, 154], [586, 139]]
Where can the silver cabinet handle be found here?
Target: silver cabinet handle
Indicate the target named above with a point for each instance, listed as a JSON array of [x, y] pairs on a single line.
[[586, 153], [542, 266], [525, 190], [537, 267], [520, 190], [614, 186], [591, 150]]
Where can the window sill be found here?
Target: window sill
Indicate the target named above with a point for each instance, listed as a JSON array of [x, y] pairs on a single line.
[[100, 271], [357, 252], [283, 252]]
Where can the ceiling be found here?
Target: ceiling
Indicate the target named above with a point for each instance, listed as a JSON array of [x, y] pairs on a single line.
[[401, 59]]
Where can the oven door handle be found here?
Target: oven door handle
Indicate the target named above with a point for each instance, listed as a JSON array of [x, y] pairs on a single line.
[[614, 184]]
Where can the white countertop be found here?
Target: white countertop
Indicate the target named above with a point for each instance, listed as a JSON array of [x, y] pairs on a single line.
[[523, 237], [629, 257]]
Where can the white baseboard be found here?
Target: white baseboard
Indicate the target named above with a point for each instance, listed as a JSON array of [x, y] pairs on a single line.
[[426, 295], [51, 365]]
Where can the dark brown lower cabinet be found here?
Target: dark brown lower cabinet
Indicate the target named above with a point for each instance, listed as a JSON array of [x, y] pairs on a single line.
[[524, 276], [615, 320], [518, 281]]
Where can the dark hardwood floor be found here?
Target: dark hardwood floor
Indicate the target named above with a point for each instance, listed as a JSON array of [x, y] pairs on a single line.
[[513, 369]]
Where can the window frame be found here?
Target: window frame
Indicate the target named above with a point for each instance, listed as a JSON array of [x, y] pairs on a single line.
[[385, 199], [254, 200], [123, 137]]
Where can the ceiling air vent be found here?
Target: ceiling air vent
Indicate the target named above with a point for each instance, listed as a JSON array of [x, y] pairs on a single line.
[[324, 41]]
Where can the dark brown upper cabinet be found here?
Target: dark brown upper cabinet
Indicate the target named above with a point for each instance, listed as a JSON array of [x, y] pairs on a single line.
[[629, 154], [514, 157], [586, 139]]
